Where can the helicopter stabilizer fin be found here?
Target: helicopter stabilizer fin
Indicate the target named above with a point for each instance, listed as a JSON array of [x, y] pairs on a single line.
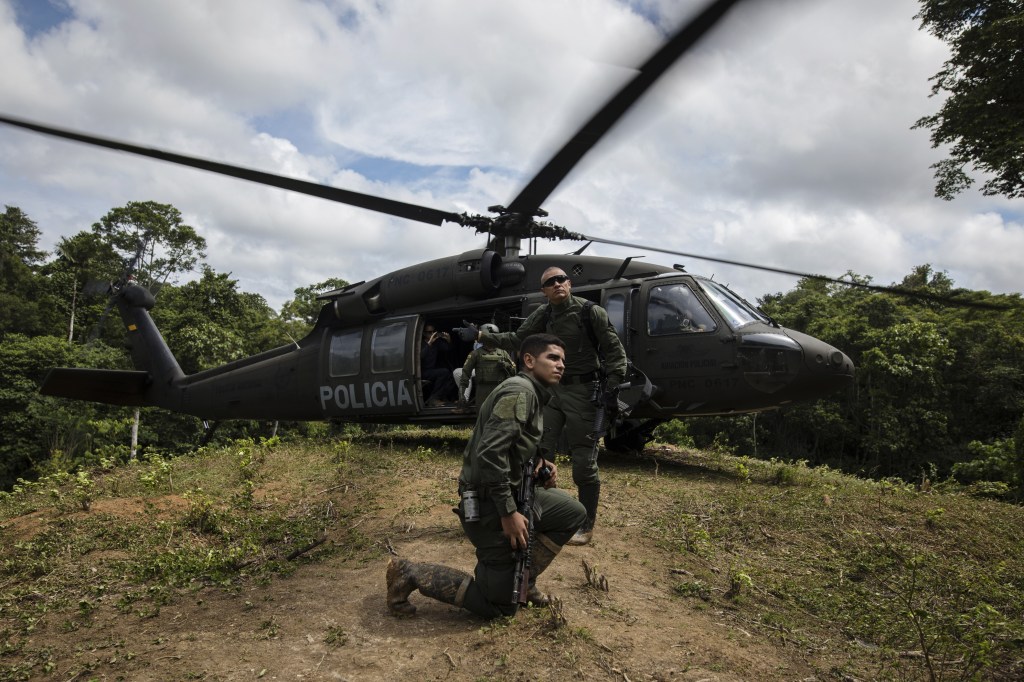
[[110, 386]]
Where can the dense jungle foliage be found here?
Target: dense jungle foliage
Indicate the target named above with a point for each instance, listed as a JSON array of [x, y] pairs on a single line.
[[939, 391]]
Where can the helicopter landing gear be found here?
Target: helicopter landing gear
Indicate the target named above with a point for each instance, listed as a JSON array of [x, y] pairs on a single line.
[[632, 435]]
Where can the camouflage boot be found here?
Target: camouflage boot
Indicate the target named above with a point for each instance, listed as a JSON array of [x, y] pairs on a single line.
[[432, 580], [544, 552]]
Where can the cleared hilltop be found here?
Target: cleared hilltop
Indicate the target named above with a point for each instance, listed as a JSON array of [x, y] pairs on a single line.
[[267, 562]]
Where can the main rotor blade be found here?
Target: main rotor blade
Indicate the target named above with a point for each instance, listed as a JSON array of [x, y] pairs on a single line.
[[400, 209], [552, 174], [910, 293]]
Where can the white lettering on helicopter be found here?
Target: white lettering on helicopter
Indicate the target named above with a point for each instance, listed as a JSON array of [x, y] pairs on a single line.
[[367, 395]]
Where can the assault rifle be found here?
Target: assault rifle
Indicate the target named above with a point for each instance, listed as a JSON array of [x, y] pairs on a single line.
[[524, 502], [609, 407]]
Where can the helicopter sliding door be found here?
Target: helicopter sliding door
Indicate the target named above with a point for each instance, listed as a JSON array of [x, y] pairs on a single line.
[[369, 370]]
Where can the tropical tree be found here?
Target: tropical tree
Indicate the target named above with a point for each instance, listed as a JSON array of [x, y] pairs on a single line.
[[209, 322], [152, 240], [154, 244], [983, 116], [79, 277], [42, 433], [931, 378], [300, 313], [21, 310], [906, 410]]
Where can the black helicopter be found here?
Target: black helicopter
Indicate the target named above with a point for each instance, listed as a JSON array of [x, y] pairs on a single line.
[[706, 350]]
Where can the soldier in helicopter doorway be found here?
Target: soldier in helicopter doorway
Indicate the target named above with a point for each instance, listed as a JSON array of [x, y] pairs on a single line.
[[491, 366]]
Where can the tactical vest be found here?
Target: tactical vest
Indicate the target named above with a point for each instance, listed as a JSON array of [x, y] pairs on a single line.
[[493, 366], [588, 325]]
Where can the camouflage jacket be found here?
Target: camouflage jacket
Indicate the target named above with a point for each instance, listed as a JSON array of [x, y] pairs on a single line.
[[566, 322], [492, 367], [508, 429]]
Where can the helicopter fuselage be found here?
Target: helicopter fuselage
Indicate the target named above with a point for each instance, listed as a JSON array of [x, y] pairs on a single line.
[[705, 349]]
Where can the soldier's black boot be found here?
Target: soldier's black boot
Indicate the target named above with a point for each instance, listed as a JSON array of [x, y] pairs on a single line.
[[589, 496], [544, 551], [432, 580]]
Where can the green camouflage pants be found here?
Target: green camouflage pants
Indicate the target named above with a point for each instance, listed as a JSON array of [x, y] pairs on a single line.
[[569, 415], [558, 516]]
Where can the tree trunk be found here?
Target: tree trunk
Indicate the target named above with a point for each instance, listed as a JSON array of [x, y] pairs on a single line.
[[71, 324], [135, 434]]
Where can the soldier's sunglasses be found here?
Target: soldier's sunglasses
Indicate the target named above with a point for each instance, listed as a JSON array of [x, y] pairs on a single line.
[[552, 281]]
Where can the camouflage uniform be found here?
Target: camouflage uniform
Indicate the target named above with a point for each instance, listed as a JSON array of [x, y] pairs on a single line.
[[492, 366], [507, 432], [571, 410]]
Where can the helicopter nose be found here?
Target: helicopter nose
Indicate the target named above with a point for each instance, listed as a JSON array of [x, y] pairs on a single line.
[[792, 366], [828, 367]]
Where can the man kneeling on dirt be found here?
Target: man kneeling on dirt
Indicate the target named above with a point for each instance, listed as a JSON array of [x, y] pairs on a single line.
[[508, 430]]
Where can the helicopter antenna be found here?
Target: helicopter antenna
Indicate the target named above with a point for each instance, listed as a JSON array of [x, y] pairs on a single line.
[[625, 264]]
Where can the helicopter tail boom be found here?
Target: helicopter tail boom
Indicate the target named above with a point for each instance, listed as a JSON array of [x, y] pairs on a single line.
[[149, 350]]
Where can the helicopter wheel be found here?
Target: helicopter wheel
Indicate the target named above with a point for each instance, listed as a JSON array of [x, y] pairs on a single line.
[[632, 435]]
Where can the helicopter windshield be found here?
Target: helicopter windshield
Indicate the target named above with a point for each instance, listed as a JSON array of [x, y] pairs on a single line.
[[736, 311]]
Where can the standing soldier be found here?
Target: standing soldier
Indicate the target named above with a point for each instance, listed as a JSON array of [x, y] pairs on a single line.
[[593, 347], [492, 365], [508, 430]]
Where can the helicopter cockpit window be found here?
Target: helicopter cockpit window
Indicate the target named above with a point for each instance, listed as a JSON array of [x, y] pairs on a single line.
[[388, 350], [673, 309], [616, 307], [345, 353], [736, 311]]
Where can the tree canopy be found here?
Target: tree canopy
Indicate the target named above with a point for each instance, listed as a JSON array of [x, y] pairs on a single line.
[[931, 379], [155, 233], [301, 312], [982, 119], [939, 390], [20, 288]]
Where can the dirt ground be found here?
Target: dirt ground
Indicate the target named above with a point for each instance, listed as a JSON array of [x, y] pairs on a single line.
[[328, 619]]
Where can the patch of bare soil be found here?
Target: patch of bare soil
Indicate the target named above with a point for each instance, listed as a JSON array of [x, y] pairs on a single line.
[[328, 620]]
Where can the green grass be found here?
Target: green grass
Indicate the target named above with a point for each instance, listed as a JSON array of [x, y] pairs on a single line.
[[932, 581], [913, 584], [154, 529]]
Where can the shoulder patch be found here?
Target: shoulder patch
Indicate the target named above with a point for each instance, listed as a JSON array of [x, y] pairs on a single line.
[[505, 407], [514, 406], [522, 407]]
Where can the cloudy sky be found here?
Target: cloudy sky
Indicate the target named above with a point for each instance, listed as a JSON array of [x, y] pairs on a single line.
[[785, 139]]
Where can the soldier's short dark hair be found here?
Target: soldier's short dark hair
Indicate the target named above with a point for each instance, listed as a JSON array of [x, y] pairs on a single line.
[[535, 344]]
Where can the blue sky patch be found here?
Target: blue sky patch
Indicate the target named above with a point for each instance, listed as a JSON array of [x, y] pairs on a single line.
[[36, 17]]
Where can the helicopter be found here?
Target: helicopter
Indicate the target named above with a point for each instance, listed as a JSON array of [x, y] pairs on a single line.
[[700, 348]]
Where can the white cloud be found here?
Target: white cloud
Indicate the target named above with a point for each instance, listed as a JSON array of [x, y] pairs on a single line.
[[783, 140]]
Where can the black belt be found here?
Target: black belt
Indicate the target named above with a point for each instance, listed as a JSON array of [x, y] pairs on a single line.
[[581, 378]]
